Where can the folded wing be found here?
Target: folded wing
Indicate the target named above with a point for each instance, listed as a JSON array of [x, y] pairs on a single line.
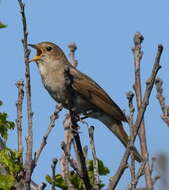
[[90, 90]]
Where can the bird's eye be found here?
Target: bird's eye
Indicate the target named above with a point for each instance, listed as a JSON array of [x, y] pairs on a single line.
[[49, 48]]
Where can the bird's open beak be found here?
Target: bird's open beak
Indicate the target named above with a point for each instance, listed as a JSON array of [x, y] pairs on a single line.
[[39, 52]]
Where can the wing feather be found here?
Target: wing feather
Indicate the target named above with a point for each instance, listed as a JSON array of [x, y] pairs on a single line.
[[90, 90]]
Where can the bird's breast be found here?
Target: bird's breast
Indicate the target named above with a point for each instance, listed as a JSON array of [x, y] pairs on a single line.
[[54, 83]]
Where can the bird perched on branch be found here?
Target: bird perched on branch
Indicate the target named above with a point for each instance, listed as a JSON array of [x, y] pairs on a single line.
[[88, 98]]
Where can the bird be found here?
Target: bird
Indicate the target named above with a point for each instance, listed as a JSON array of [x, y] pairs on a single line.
[[89, 98]]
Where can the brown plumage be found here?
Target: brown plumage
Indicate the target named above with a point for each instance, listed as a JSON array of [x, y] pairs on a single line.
[[89, 98]]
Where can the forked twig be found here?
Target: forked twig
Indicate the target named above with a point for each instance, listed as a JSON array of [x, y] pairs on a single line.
[[138, 38], [53, 118], [29, 140], [149, 85]]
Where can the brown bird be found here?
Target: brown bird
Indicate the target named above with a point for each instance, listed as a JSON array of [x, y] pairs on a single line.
[[89, 98]]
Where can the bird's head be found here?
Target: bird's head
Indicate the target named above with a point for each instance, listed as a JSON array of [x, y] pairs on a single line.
[[46, 51]]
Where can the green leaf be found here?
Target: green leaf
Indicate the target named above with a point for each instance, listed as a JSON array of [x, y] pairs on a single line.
[[76, 181], [103, 170], [48, 179], [5, 125], [7, 182], [59, 182], [10, 160], [2, 25]]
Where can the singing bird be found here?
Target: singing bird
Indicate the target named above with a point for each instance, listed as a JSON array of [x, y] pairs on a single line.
[[88, 98]]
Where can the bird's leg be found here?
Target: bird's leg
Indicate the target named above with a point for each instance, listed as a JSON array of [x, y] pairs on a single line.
[[82, 118], [85, 115]]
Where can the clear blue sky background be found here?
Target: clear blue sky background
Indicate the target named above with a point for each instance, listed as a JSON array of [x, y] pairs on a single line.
[[103, 32]]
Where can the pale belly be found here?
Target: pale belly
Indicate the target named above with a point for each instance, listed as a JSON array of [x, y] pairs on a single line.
[[55, 85], [61, 95]]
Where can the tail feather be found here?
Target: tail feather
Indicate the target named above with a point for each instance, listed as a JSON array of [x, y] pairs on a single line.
[[117, 128], [124, 138]]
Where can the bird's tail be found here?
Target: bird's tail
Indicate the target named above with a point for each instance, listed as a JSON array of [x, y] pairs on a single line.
[[117, 128]]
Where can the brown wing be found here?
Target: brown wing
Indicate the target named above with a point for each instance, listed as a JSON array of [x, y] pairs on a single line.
[[95, 94]]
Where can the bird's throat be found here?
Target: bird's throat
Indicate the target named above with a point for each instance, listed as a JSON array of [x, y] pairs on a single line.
[[42, 68]]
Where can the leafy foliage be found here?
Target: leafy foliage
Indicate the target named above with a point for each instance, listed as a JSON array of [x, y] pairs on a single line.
[[7, 182], [10, 160], [58, 181], [76, 180], [10, 165], [2, 25], [5, 125], [103, 170]]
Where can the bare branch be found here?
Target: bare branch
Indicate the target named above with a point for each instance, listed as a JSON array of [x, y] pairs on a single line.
[[141, 170], [95, 160], [41, 186], [68, 136], [161, 99], [53, 167], [20, 85], [138, 38], [28, 162], [73, 48], [130, 96], [65, 159], [149, 85], [64, 163], [137, 176], [77, 157], [53, 118]]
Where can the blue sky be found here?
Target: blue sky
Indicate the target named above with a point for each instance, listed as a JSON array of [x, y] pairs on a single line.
[[103, 32]]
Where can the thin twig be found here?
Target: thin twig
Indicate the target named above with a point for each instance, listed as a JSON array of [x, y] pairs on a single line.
[[138, 38], [130, 96], [53, 118], [53, 167], [141, 170], [72, 47], [95, 160], [153, 162], [155, 179], [149, 85], [19, 85], [65, 145], [68, 136], [77, 156], [137, 176], [41, 186], [28, 162], [161, 99], [64, 163]]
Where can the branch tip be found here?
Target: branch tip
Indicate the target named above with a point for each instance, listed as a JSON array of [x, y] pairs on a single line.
[[138, 38]]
